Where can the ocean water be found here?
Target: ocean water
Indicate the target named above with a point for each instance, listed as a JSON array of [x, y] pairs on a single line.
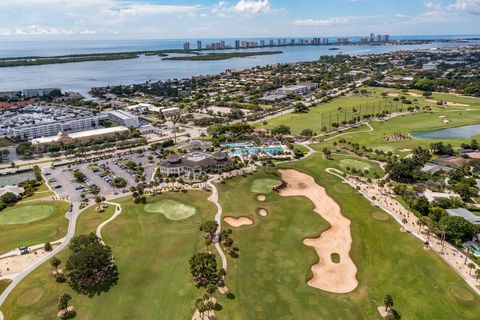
[[84, 75]]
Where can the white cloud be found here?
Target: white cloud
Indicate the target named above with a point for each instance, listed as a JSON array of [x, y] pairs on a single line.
[[322, 22], [243, 7], [470, 6], [42, 30]]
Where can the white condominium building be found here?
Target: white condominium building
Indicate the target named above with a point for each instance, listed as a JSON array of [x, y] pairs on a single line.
[[123, 118], [52, 128]]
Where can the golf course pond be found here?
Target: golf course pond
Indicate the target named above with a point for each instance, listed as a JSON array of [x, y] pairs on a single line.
[[456, 133]]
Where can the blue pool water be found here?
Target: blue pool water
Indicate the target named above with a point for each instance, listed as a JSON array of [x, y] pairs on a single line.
[[457, 133], [268, 150], [474, 250], [237, 144]]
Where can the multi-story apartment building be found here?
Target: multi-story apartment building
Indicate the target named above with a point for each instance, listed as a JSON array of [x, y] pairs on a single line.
[[52, 128], [34, 93], [123, 118]]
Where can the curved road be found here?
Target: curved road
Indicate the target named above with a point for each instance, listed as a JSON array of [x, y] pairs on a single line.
[[218, 218]]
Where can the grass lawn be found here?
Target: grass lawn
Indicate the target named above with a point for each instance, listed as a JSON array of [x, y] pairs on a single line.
[[269, 278], [51, 226], [152, 254], [323, 113], [4, 142], [4, 284], [344, 161]]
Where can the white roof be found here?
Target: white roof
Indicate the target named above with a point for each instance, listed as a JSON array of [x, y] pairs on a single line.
[[14, 189], [81, 134], [122, 114]]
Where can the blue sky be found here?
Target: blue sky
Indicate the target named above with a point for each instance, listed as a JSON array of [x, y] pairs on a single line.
[[110, 19]]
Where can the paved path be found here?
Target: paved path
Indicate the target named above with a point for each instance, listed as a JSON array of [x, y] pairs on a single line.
[[218, 218], [118, 210]]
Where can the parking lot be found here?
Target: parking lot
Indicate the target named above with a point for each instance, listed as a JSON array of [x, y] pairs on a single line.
[[102, 174]]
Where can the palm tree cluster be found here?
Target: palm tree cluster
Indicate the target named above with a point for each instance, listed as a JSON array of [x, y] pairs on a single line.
[[227, 243]]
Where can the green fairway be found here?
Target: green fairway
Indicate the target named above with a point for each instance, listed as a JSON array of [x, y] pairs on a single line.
[[263, 186], [41, 221], [171, 209], [352, 163], [26, 213], [274, 259], [152, 255]]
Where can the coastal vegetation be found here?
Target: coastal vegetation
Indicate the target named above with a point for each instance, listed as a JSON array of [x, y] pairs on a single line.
[[38, 60]]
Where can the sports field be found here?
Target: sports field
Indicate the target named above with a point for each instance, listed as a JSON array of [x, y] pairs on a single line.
[[152, 255], [31, 223], [273, 258]]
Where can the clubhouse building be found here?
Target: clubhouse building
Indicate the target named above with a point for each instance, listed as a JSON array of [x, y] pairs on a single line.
[[195, 163]]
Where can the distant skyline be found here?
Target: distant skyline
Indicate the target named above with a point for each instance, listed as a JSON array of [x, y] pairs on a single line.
[[169, 19]]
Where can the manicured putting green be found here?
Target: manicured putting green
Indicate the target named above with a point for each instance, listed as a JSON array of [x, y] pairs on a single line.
[[26, 213], [171, 209], [263, 186], [352, 163]]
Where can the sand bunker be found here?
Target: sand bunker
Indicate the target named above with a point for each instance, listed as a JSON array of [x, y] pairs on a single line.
[[261, 197], [238, 222], [393, 94], [16, 264], [327, 275], [413, 94], [262, 212]]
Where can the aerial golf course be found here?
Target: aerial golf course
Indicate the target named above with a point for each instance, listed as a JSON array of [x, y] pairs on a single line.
[[153, 242]]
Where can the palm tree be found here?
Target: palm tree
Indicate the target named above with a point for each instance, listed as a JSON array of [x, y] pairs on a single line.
[[443, 231], [388, 301], [200, 306], [404, 222], [471, 266], [55, 262], [477, 273], [63, 303]]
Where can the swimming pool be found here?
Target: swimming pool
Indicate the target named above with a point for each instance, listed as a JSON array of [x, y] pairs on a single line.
[[237, 144], [252, 150], [473, 249]]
